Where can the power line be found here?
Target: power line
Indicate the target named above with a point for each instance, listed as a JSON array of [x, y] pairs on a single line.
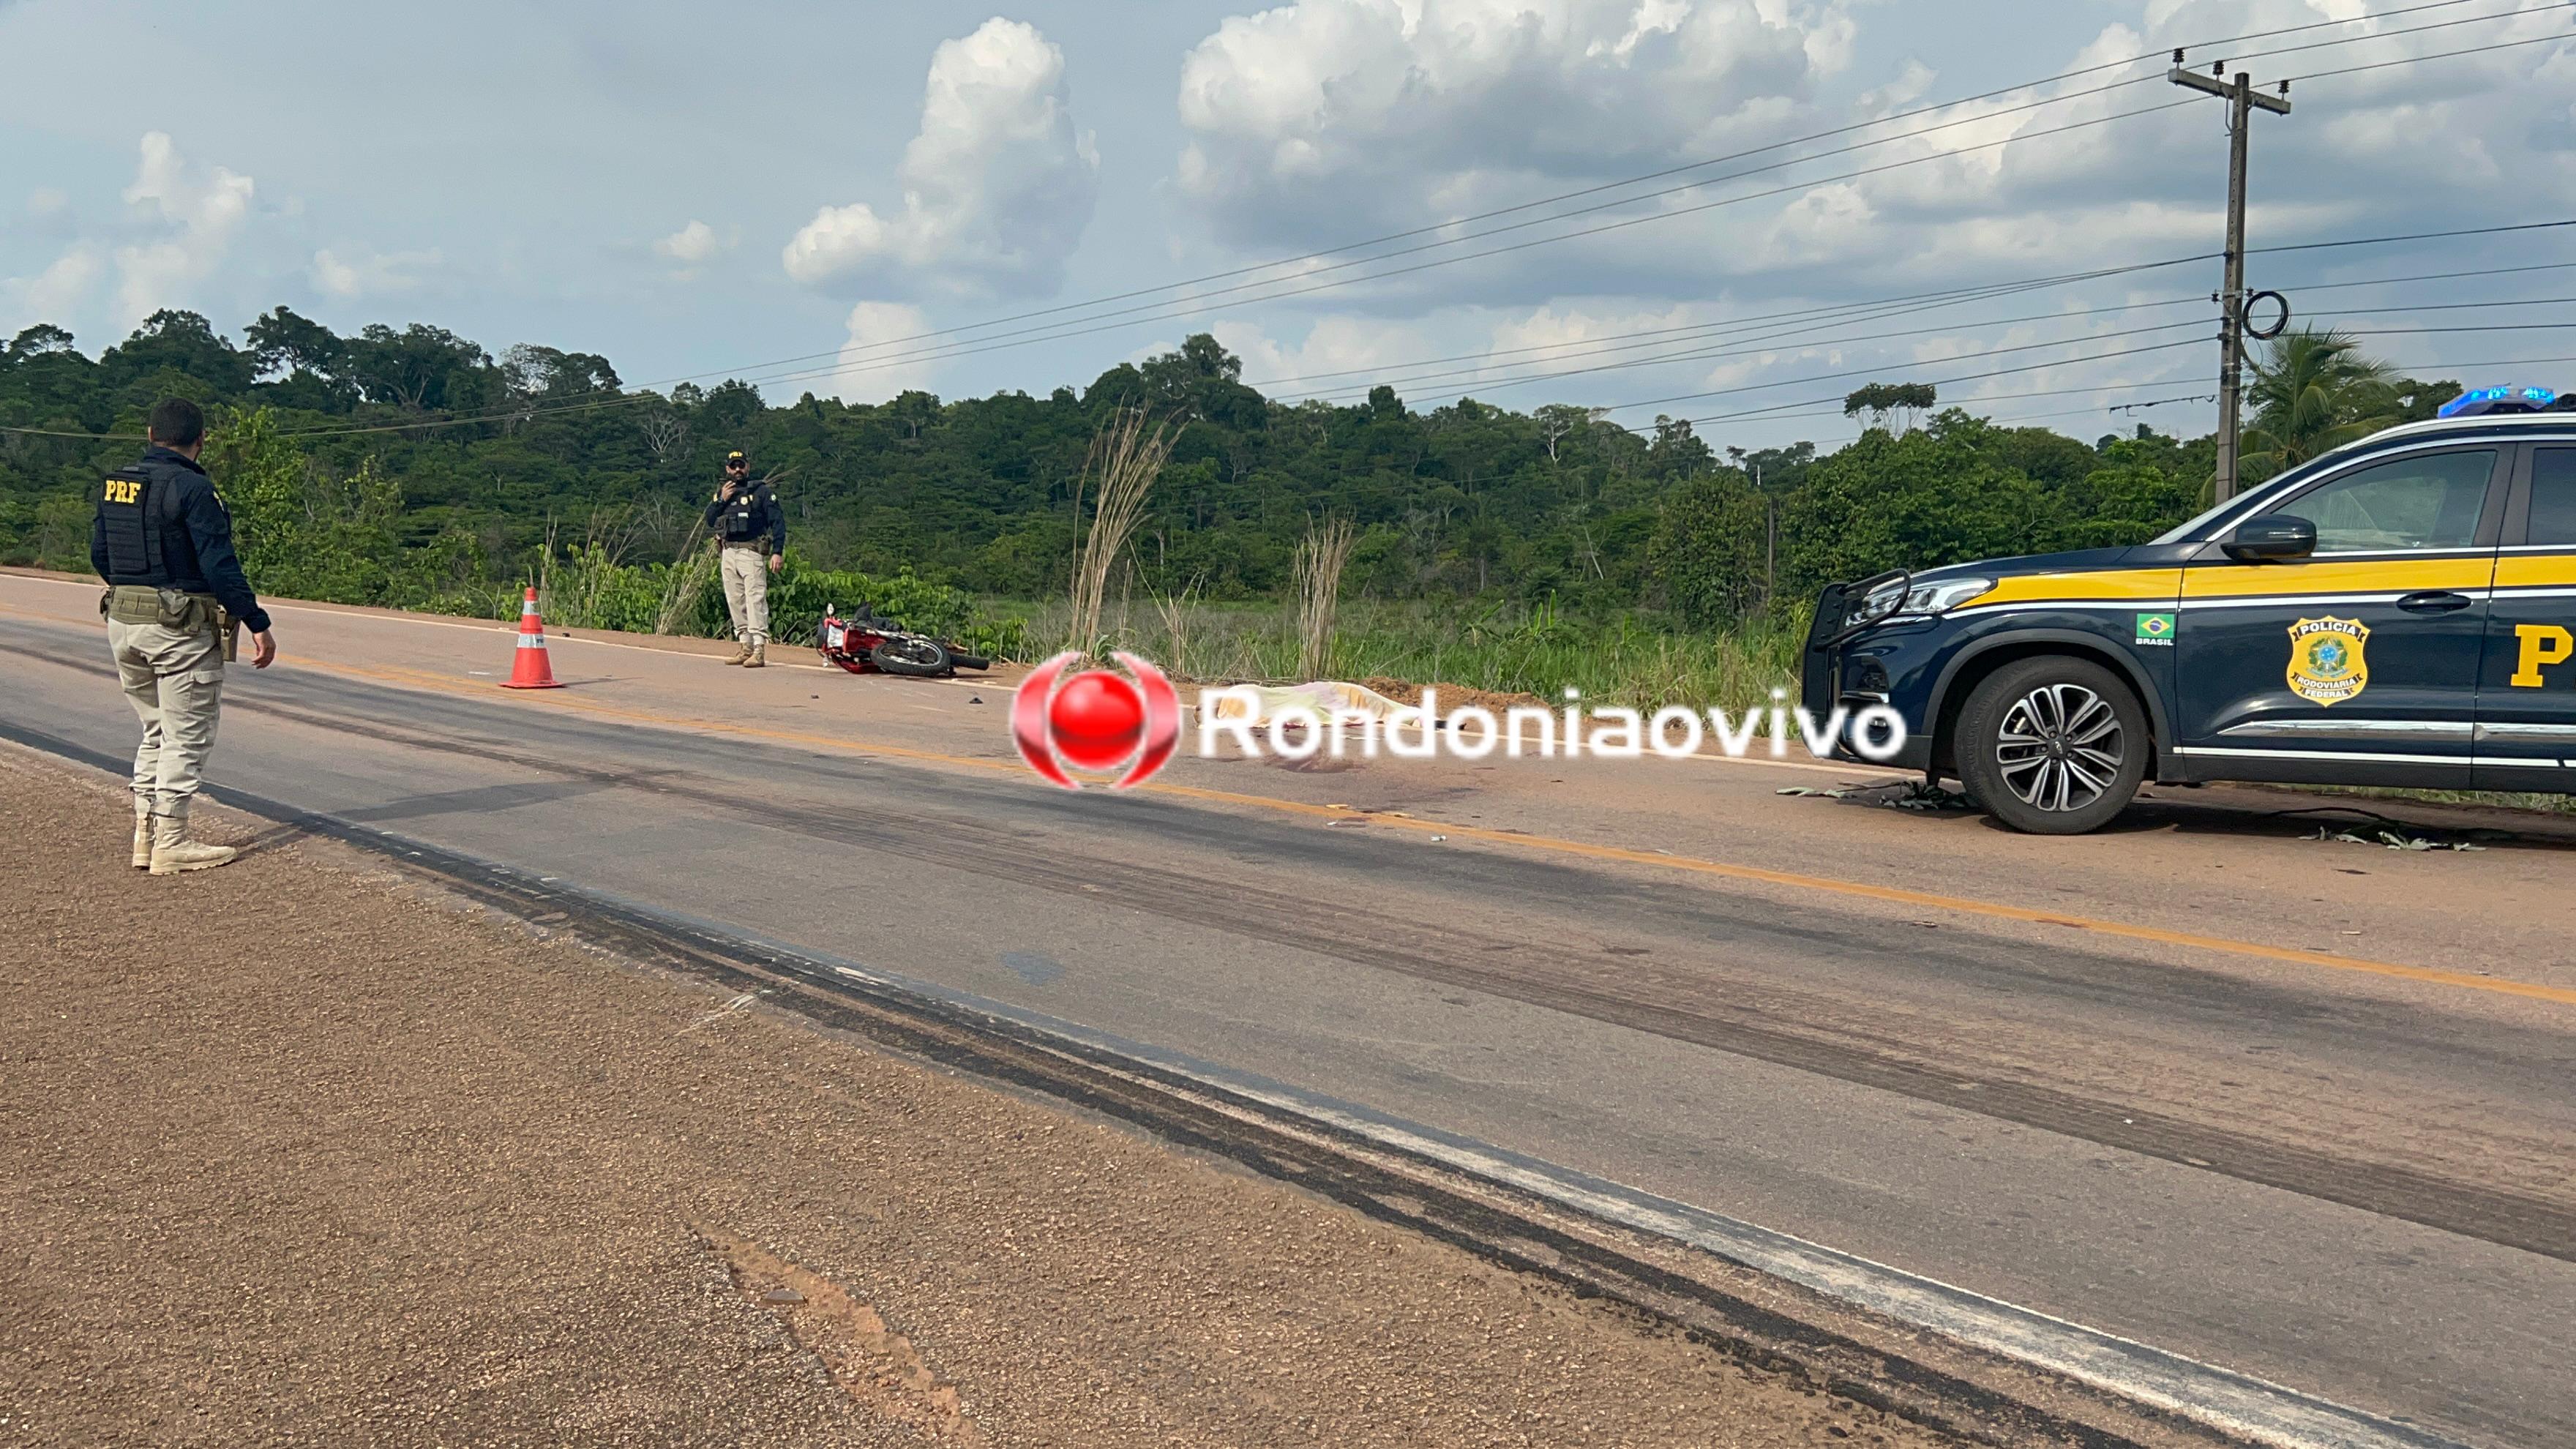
[[630, 399], [1961, 357], [1953, 297], [2078, 361], [2063, 342], [1829, 409], [2439, 55], [1599, 188], [1056, 332], [1746, 347], [2395, 34], [1944, 297]]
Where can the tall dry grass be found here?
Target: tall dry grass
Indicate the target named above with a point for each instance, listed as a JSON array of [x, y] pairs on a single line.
[[1126, 457], [1315, 590]]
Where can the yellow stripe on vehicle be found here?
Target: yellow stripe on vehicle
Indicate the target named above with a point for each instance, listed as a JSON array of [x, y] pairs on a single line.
[[2360, 576], [2535, 571], [2109, 585]]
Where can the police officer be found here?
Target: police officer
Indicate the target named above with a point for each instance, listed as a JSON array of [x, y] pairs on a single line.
[[751, 533], [175, 594]]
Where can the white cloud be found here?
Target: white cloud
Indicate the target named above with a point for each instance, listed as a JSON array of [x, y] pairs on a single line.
[[1336, 352], [863, 376], [199, 211], [1305, 118], [694, 245], [1323, 120], [46, 200], [369, 274], [56, 293], [997, 184]]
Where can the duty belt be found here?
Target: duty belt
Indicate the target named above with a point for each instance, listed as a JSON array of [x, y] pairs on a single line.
[[171, 609]]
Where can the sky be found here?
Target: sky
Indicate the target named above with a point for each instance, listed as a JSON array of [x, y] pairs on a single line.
[[853, 199]]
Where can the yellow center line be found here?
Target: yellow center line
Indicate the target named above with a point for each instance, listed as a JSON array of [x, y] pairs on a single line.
[[1895, 895]]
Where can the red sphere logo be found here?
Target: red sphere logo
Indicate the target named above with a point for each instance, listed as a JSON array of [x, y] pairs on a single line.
[[1096, 721]]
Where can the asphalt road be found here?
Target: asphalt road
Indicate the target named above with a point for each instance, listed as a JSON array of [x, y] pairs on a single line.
[[2301, 1108]]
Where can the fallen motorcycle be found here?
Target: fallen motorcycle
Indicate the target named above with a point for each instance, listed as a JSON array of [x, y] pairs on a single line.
[[866, 644]]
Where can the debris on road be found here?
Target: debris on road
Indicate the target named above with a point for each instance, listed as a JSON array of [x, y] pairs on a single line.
[[1906, 795], [2398, 838]]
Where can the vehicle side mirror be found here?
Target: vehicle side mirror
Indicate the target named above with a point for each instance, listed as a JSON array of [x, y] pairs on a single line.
[[2272, 537]]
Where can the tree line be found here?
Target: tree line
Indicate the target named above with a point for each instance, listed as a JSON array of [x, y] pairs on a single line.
[[416, 467]]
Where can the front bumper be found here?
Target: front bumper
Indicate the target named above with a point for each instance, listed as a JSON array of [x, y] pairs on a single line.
[[1844, 669]]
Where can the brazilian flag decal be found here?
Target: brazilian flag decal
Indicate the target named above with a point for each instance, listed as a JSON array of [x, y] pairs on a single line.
[[2155, 628]]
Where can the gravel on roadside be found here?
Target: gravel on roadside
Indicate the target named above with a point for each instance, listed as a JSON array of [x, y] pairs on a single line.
[[294, 1151]]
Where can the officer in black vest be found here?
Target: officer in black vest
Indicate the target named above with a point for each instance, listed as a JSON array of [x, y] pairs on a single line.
[[751, 537], [175, 595]]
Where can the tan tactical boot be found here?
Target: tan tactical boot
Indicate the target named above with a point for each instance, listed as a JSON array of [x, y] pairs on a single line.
[[758, 657], [173, 851], [741, 654], [142, 833]]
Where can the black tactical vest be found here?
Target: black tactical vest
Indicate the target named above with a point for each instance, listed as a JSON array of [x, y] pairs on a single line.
[[137, 511], [746, 518]]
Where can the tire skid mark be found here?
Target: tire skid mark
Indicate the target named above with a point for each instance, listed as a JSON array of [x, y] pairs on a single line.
[[1798, 1030]]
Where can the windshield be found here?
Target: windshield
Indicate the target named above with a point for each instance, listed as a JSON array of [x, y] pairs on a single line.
[[2184, 531]]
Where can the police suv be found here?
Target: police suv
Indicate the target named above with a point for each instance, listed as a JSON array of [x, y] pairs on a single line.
[[2395, 612]]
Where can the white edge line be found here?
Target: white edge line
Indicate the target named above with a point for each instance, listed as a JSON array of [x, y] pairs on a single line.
[[2234, 1402], [2237, 1403]]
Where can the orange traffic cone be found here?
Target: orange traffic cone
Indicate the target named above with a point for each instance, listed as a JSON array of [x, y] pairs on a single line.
[[529, 670]]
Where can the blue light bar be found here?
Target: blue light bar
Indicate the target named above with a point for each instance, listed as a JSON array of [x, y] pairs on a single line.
[[2480, 401]]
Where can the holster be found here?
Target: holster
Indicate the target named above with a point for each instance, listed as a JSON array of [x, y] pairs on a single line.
[[227, 633]]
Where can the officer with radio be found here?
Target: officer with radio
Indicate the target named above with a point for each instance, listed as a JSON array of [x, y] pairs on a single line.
[[751, 533], [175, 600]]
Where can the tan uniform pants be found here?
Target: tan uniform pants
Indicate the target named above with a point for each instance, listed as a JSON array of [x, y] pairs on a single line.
[[175, 681], [746, 586]]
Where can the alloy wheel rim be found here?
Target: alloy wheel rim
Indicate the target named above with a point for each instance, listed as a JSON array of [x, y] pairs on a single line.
[[2060, 748]]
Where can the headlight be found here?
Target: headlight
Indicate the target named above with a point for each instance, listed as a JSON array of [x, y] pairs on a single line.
[[1923, 598]]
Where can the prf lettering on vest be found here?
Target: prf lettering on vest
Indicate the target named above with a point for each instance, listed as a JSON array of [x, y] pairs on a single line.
[[2542, 645], [127, 490]]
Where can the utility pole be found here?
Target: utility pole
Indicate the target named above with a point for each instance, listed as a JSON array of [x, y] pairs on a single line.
[[1770, 540], [2241, 101]]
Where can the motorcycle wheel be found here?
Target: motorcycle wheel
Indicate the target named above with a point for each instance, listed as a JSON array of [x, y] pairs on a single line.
[[970, 661], [919, 658]]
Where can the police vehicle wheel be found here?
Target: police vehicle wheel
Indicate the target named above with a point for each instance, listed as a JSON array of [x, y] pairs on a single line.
[[920, 658], [2052, 746]]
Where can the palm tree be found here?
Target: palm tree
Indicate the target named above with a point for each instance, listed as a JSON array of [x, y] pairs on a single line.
[[2314, 392]]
